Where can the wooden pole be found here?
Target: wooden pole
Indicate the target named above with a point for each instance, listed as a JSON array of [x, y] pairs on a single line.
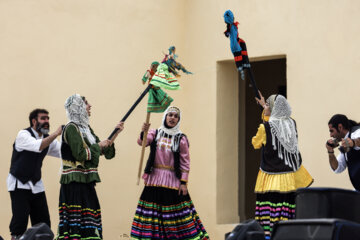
[[143, 148]]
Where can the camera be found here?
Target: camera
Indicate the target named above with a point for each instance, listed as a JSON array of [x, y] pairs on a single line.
[[334, 144]]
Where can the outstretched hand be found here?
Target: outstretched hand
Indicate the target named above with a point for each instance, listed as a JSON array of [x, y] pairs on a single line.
[[260, 100], [59, 130], [105, 143], [120, 126]]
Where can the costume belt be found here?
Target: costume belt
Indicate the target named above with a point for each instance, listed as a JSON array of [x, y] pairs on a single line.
[[164, 167]]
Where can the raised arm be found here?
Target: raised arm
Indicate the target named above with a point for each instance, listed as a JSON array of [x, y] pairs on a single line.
[[49, 139], [150, 136]]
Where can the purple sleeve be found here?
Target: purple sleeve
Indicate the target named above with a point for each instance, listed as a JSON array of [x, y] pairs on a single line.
[[184, 159], [150, 137]]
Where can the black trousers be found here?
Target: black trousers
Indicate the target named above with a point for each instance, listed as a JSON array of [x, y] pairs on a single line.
[[24, 204]]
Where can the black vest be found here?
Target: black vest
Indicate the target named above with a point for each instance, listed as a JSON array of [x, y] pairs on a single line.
[[66, 152], [353, 163], [270, 161], [26, 165], [151, 159]]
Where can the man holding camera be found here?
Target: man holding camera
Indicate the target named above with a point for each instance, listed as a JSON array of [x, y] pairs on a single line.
[[24, 182], [346, 134]]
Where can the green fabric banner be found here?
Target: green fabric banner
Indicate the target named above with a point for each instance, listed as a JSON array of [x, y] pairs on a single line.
[[158, 100], [164, 79]]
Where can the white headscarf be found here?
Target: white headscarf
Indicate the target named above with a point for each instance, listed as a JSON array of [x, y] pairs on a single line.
[[270, 101], [284, 129], [170, 132], [76, 112]]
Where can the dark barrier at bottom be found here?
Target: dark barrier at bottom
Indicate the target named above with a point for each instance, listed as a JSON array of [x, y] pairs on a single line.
[[248, 230], [40, 231], [316, 229]]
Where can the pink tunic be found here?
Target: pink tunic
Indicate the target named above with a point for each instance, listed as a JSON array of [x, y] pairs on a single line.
[[163, 174]]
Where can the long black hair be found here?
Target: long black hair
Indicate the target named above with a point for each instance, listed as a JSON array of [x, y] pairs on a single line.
[[345, 122]]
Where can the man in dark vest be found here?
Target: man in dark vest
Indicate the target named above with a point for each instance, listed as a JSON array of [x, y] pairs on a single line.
[[24, 182], [346, 133]]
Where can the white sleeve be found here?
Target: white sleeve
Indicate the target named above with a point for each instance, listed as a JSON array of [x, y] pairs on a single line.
[[356, 135], [24, 141], [54, 149], [341, 163]]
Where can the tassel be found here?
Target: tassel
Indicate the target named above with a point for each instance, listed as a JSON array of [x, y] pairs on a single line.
[[291, 164], [273, 141], [287, 160]]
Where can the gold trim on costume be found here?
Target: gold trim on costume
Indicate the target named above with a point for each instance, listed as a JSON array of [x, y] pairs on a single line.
[[72, 164], [154, 185], [164, 167]]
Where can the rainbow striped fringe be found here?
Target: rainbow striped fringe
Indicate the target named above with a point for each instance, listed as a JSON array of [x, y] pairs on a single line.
[[273, 207], [167, 221]]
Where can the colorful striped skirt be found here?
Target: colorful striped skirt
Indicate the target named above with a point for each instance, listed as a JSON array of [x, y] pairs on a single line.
[[274, 207], [79, 212], [163, 214], [275, 196]]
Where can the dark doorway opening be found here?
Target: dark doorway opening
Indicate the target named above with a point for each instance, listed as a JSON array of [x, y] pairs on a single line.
[[270, 77]]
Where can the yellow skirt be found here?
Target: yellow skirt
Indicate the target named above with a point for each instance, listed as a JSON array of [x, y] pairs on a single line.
[[285, 182]]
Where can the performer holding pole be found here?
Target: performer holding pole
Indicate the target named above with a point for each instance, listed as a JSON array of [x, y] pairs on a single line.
[[165, 209], [281, 171], [79, 208], [158, 101], [147, 78]]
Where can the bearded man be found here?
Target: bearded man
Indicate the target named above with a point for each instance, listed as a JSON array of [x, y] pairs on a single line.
[[24, 182], [346, 133]]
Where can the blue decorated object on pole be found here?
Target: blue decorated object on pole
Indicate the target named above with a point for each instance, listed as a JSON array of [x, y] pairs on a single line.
[[238, 49], [237, 45]]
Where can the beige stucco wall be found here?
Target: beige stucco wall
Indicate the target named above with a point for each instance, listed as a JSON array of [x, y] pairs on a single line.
[[52, 49]]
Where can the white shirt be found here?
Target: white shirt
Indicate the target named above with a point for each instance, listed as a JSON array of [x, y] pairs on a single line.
[[24, 141], [341, 158]]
